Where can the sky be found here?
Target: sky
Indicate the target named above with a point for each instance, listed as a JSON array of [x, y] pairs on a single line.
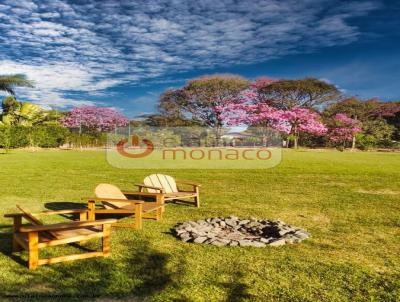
[[124, 54]]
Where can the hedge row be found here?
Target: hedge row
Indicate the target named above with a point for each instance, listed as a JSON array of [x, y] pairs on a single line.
[[46, 136]]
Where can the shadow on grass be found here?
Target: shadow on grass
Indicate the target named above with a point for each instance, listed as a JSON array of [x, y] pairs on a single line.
[[6, 248], [237, 290], [65, 205], [138, 273]]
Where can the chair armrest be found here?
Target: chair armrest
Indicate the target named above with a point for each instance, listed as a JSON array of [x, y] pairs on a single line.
[[184, 182], [112, 200], [149, 187], [142, 193], [11, 215], [65, 225], [69, 211]]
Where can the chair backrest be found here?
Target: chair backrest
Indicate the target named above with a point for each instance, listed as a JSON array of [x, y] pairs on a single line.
[[32, 219], [28, 216], [107, 191], [165, 182]]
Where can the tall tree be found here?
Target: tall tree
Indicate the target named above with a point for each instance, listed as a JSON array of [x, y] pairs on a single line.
[[172, 103], [343, 129], [376, 116], [94, 119], [9, 82], [287, 94], [19, 113], [205, 98]]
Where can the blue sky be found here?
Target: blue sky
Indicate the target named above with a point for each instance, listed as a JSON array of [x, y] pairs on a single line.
[[123, 54]]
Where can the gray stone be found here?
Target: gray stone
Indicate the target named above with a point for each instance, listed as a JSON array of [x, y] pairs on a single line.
[[185, 237], [278, 242], [211, 235], [301, 235], [221, 231], [218, 243], [230, 222], [200, 239], [244, 242], [257, 244]]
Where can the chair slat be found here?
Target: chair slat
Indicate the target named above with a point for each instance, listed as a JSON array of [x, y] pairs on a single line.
[[28, 216], [163, 181], [110, 191]]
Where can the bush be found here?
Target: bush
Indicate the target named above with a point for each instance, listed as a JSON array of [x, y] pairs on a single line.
[[49, 136], [19, 136], [85, 140], [46, 136]]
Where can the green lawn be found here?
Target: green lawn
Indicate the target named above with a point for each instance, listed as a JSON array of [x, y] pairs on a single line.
[[349, 202]]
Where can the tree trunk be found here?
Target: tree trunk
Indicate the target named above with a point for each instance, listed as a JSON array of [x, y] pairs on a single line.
[[353, 143], [296, 137], [218, 135]]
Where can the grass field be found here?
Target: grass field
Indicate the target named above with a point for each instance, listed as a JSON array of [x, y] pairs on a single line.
[[349, 202]]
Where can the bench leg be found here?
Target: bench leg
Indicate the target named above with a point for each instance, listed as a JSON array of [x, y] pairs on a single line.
[[83, 217], [197, 198], [91, 207], [17, 224], [160, 200], [106, 239], [33, 240], [138, 215]]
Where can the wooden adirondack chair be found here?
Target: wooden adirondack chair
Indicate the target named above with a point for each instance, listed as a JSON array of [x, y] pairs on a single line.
[[169, 188], [37, 235], [114, 201]]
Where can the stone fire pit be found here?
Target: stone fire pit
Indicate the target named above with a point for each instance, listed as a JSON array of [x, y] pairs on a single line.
[[233, 231]]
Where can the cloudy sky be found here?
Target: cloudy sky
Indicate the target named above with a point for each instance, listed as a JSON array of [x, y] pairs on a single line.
[[123, 54]]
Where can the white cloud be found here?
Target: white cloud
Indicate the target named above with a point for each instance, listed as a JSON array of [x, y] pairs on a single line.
[[64, 47]]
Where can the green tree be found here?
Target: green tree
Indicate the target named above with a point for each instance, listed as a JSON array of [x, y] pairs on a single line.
[[307, 92], [18, 113], [9, 82], [205, 97], [381, 120]]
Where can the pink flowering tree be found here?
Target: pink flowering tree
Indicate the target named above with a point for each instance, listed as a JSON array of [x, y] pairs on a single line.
[[251, 112], [94, 119], [344, 129], [253, 109], [301, 120]]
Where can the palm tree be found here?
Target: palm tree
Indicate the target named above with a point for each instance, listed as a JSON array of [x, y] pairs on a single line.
[[9, 82]]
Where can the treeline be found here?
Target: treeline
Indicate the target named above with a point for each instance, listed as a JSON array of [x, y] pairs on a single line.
[[29, 125], [48, 136], [307, 112]]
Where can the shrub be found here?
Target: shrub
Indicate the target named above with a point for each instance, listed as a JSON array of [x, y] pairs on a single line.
[[19, 136], [46, 136], [49, 136]]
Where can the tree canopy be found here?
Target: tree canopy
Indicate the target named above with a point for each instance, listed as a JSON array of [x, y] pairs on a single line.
[[307, 92], [9, 82]]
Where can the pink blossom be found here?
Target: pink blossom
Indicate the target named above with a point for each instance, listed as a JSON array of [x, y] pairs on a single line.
[[344, 128], [97, 118]]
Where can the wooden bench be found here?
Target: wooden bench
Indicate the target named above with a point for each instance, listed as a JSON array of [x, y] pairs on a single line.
[[166, 188], [114, 201], [37, 235]]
